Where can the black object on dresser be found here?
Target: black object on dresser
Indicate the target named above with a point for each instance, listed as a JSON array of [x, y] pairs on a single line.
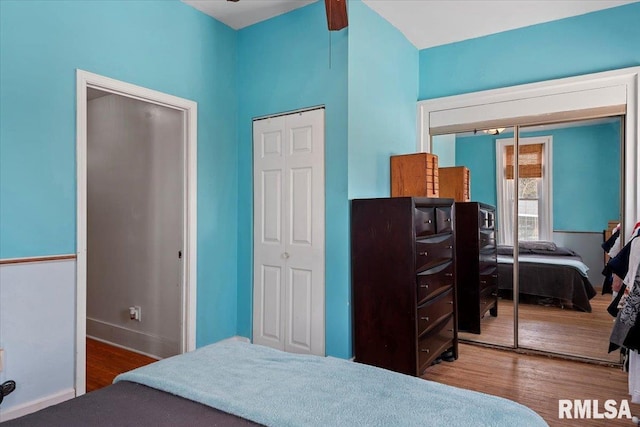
[[403, 282], [476, 257]]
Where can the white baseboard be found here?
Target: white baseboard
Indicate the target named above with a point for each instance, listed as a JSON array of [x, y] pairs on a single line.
[[141, 342], [36, 405], [133, 350]]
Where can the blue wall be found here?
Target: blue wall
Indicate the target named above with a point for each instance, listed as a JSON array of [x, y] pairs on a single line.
[[586, 173], [371, 83], [478, 153], [167, 46], [444, 146], [383, 88], [590, 43], [287, 63]]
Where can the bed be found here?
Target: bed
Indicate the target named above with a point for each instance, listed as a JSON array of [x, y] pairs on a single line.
[[237, 383], [548, 274]]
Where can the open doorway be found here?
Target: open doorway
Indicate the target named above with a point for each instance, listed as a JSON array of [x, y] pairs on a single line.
[[136, 221]]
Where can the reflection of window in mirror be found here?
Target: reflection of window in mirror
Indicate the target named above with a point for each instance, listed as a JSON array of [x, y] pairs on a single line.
[[534, 196]]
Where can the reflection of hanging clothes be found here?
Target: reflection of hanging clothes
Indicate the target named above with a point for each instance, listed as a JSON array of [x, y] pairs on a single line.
[[628, 299], [607, 285], [619, 264], [625, 320], [634, 262], [613, 307], [611, 241], [610, 247], [632, 340], [626, 330]]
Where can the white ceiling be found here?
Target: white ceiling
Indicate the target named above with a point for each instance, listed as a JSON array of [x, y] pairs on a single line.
[[425, 23], [246, 12]]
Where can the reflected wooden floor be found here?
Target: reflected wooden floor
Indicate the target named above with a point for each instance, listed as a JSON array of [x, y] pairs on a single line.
[[105, 362], [536, 381], [552, 329]]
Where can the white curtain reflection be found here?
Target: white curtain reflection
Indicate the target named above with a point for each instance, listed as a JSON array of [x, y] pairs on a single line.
[[505, 212]]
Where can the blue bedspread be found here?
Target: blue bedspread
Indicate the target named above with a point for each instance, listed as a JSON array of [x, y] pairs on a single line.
[[275, 388]]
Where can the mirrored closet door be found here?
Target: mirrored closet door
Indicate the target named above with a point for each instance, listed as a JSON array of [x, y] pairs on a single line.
[[569, 194], [552, 191], [483, 314]]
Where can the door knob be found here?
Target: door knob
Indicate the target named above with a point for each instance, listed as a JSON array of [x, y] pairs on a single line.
[[285, 255]]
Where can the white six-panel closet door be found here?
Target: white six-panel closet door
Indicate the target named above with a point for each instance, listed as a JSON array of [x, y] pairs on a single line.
[[288, 305]]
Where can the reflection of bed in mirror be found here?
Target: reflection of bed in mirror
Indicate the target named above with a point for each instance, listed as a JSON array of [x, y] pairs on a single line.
[[547, 275]]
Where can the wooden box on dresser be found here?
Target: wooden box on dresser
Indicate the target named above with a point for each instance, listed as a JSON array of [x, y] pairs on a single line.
[[455, 183], [476, 257], [414, 175], [403, 282]]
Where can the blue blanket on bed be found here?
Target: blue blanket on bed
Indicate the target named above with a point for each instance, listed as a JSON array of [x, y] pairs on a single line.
[[275, 388]]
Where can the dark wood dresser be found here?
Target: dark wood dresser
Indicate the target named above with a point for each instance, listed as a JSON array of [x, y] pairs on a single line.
[[403, 282], [477, 272]]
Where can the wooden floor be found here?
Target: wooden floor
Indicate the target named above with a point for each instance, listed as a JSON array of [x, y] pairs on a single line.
[[552, 329], [535, 381], [105, 362]]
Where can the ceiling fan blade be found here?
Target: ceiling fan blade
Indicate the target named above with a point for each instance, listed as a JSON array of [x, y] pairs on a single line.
[[336, 14]]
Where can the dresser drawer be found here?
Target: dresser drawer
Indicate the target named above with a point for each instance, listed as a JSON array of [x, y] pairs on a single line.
[[488, 281], [489, 269], [487, 239], [433, 344], [424, 221], [434, 311], [444, 223], [433, 251], [487, 297], [433, 281], [486, 219], [487, 257]]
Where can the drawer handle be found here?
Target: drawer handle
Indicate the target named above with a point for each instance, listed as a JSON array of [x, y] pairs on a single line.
[[424, 350], [424, 286], [426, 318], [495, 276], [428, 221], [448, 219], [449, 330], [484, 282], [450, 247], [494, 294], [448, 274], [450, 302], [424, 253]]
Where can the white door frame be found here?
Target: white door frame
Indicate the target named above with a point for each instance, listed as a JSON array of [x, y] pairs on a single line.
[[594, 92], [86, 80]]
